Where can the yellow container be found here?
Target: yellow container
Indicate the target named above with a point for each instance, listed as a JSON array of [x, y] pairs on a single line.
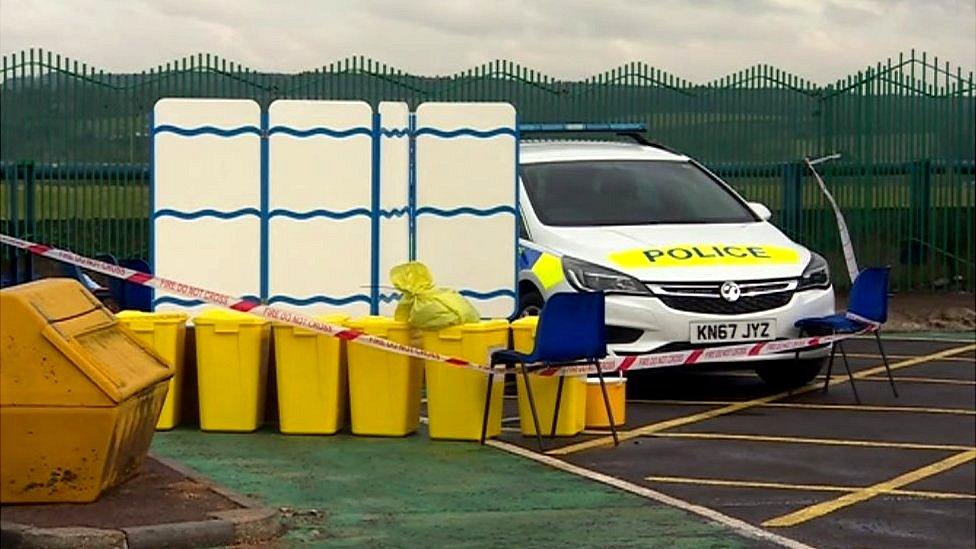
[[79, 396], [596, 409], [456, 396], [232, 369], [311, 375], [166, 334], [572, 403], [384, 388]]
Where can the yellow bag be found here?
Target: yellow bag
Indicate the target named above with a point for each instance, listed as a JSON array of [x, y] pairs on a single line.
[[425, 306]]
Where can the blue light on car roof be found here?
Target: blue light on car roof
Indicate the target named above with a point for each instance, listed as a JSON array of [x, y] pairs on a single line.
[[583, 127]]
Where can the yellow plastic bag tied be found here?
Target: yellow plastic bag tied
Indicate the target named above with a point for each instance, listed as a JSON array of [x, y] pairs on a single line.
[[425, 306]]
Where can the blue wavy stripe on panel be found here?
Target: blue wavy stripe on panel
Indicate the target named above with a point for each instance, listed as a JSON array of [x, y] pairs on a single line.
[[466, 132], [328, 300], [465, 210], [395, 212], [395, 132], [207, 130], [312, 132], [487, 295], [320, 213], [208, 212], [389, 298], [191, 302]]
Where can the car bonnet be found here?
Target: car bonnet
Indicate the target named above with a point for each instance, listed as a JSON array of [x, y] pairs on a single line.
[[685, 252]]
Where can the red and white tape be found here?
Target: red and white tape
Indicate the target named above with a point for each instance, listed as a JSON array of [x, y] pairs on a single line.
[[727, 353]]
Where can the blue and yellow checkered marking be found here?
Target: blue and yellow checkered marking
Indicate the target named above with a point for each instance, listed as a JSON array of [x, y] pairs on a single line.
[[546, 267]]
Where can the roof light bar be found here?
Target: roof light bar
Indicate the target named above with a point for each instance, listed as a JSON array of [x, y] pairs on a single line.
[[583, 127]]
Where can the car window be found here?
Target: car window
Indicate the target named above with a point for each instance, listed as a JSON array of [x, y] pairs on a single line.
[[628, 192], [523, 231]]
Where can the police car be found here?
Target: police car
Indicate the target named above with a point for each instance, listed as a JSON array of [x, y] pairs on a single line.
[[685, 262]]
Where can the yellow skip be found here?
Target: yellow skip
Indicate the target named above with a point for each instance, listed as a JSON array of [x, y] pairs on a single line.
[[704, 255]]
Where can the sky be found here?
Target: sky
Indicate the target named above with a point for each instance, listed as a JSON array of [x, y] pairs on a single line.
[[699, 40]]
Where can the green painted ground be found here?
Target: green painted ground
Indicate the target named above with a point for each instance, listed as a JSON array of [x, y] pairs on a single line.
[[412, 492]]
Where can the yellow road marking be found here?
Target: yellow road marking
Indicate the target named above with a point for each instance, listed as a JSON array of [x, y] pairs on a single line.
[[902, 357], [804, 487], [735, 407], [937, 380], [813, 406], [821, 509], [820, 441], [871, 408]]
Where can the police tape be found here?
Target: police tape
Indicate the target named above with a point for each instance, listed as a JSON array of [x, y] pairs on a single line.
[[845, 236], [610, 364]]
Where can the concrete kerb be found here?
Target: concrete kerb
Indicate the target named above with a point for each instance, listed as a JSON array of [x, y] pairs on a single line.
[[251, 523]]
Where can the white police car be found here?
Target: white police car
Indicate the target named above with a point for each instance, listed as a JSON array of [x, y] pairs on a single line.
[[684, 260]]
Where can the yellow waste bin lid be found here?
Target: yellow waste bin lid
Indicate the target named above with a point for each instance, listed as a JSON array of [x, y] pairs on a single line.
[[141, 321], [335, 319], [457, 332], [227, 316], [377, 325], [526, 323]]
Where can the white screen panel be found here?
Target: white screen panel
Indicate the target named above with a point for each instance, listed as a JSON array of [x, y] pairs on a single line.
[[206, 190], [319, 200], [466, 198]]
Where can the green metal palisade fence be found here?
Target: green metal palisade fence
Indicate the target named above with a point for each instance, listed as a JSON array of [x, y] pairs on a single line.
[[74, 143]]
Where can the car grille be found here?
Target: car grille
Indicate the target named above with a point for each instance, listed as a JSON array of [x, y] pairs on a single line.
[[719, 306], [705, 297]]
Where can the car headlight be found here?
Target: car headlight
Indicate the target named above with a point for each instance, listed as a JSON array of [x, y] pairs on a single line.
[[816, 275], [586, 276]]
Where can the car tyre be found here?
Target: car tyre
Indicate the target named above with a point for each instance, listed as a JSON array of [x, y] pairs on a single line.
[[783, 375], [530, 303]]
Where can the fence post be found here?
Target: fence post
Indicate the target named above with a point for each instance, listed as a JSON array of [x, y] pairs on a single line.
[[920, 202], [792, 198], [30, 217], [11, 175]]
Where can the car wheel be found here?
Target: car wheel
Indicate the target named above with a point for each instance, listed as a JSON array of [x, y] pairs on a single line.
[[530, 304], [790, 375]]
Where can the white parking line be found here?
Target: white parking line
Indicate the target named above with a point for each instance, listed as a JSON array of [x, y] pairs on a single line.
[[734, 524]]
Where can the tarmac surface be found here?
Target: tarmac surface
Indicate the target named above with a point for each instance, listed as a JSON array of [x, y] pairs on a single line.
[[707, 459], [817, 469]]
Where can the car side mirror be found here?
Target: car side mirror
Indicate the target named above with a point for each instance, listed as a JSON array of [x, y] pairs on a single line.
[[761, 210]]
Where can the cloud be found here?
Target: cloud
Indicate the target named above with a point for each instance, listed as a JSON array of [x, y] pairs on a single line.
[[699, 39]]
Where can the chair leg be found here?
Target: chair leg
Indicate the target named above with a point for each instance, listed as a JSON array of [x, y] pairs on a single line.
[[830, 365], [555, 413], [891, 380], [484, 420], [857, 398], [606, 402], [535, 417]]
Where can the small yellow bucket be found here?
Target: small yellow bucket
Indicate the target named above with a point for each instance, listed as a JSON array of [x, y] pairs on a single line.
[[596, 410]]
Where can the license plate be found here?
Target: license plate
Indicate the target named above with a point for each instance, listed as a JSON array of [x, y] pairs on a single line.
[[739, 330]]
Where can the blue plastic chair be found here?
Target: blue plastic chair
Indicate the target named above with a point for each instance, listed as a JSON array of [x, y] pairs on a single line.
[[571, 331], [867, 305]]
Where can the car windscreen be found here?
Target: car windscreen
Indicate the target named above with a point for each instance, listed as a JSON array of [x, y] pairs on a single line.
[[628, 192]]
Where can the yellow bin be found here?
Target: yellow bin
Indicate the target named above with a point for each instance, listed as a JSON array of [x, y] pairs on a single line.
[[596, 409], [456, 396], [79, 396], [232, 369], [311, 375], [572, 404], [384, 388], [166, 334]]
